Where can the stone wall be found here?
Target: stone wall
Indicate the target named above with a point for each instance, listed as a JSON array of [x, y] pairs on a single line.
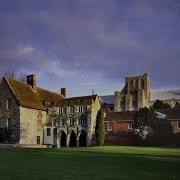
[[92, 120], [31, 125], [12, 114]]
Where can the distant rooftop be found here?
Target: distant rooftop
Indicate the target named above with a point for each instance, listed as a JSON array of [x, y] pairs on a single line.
[[162, 95]]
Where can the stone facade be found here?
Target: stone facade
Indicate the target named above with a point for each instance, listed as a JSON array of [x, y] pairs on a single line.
[[134, 95], [24, 109], [9, 116], [74, 123]]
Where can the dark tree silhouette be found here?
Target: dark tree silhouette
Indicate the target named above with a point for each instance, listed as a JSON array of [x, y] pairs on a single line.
[[100, 130]]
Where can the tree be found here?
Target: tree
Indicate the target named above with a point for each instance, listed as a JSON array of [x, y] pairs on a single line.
[[10, 74], [100, 130], [144, 117], [160, 105], [151, 129], [143, 123]]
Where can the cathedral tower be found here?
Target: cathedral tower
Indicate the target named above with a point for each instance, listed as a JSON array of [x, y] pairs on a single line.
[[134, 95]]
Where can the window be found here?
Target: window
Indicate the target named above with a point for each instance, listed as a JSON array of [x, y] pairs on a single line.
[[104, 114], [8, 122], [72, 109], [8, 104], [38, 139], [178, 124], [131, 84], [61, 110], [130, 126], [63, 122], [136, 84], [82, 121], [67, 110], [71, 122], [48, 131], [81, 109], [142, 83], [85, 108], [109, 126]]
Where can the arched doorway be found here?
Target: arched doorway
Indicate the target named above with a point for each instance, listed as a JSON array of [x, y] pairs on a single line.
[[82, 139], [72, 142], [55, 136], [63, 139]]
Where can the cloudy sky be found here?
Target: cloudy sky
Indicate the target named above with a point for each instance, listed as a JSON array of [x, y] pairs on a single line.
[[87, 45]]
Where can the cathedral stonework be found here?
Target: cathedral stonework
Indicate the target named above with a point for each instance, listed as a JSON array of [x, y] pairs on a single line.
[[134, 95]]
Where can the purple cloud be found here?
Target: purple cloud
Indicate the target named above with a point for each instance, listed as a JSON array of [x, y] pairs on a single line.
[[91, 44]]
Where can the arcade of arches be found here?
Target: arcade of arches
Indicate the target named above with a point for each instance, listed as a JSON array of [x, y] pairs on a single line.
[[71, 139]]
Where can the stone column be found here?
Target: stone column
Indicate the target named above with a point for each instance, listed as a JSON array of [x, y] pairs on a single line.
[[68, 139], [58, 141], [116, 101], [77, 139]]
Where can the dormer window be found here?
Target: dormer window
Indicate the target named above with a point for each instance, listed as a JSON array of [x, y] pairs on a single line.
[[8, 104]]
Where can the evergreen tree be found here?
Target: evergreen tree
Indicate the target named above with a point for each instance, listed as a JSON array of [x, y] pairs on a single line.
[[100, 130]]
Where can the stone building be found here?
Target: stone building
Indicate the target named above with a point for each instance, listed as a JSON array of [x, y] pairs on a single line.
[[73, 122], [134, 95], [24, 109]]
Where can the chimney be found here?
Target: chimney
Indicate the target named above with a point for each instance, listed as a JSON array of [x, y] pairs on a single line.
[[63, 92], [31, 80]]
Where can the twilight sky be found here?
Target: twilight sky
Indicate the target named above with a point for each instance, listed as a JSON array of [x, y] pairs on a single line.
[[87, 45]]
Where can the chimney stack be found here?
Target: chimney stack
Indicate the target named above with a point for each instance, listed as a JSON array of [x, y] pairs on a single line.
[[31, 80], [63, 92]]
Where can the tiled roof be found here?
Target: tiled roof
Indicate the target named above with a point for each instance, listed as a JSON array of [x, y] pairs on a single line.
[[79, 100], [32, 98], [121, 116]]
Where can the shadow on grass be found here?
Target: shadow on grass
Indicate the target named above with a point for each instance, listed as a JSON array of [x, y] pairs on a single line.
[[90, 163]]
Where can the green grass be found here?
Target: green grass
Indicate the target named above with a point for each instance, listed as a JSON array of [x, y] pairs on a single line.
[[109, 162]]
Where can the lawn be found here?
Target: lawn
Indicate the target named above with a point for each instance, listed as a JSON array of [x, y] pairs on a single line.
[[109, 162]]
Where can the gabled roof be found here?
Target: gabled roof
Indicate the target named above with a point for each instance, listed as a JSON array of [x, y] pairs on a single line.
[[79, 100], [121, 116], [28, 97]]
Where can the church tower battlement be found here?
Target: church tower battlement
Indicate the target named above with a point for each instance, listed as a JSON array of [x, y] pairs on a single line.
[[134, 95]]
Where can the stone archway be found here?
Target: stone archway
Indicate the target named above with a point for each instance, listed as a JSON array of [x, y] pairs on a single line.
[[63, 140], [72, 141], [82, 139]]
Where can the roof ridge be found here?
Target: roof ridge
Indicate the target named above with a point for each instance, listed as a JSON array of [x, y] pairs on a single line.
[[30, 86], [49, 91], [82, 96], [27, 97], [11, 88]]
